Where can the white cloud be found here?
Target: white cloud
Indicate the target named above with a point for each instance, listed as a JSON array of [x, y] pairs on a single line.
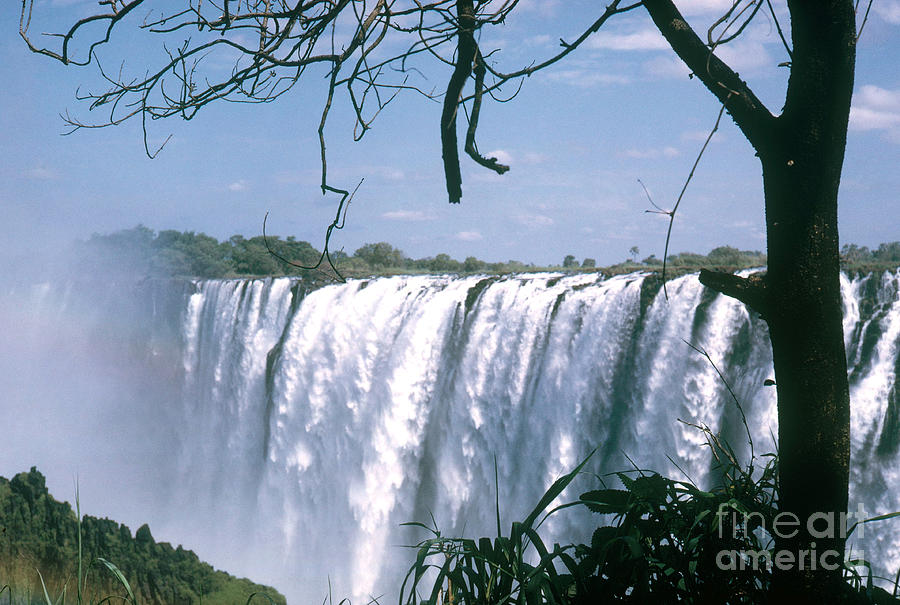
[[651, 154], [534, 220], [240, 185], [745, 55], [539, 40], [876, 108], [386, 172], [703, 7], [469, 236], [645, 39], [41, 173], [889, 10], [666, 67], [864, 118], [532, 157], [878, 98], [504, 157], [407, 215], [586, 78], [702, 135]]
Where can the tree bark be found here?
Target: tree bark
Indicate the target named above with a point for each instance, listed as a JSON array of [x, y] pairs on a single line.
[[801, 175], [802, 153]]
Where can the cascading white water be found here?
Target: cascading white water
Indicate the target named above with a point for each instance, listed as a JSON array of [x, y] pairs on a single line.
[[286, 435]]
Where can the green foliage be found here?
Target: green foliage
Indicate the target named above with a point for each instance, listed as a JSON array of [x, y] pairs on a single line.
[[473, 265], [661, 541], [861, 259], [381, 255], [140, 252], [723, 257], [497, 571], [99, 556]]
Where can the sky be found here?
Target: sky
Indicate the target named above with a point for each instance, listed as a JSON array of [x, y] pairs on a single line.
[[578, 137]]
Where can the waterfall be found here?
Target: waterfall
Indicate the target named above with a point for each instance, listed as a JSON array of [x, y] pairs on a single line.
[[285, 433]]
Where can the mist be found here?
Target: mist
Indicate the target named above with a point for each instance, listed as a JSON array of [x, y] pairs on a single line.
[[81, 397]]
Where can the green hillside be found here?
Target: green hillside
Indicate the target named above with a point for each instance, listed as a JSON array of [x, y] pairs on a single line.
[[39, 538]]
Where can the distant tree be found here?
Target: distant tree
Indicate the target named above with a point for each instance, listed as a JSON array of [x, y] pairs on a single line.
[[302, 252], [381, 255], [473, 265], [251, 257], [633, 252], [569, 262], [889, 253], [851, 253], [588, 263], [652, 260], [725, 255], [442, 263], [688, 259]]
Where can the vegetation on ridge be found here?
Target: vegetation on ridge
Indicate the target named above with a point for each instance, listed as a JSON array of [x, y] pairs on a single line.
[[144, 252], [39, 544]]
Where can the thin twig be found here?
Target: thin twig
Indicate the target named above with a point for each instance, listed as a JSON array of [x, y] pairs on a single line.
[[340, 219], [864, 21], [671, 213], [703, 352]]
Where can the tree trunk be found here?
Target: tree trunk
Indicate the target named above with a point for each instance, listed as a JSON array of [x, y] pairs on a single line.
[[804, 317], [802, 153], [801, 175]]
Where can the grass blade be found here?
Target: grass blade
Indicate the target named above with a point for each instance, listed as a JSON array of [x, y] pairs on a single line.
[[119, 576]]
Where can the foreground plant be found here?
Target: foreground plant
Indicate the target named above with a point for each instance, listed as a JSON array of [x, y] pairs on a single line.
[[81, 580], [495, 571], [662, 541]]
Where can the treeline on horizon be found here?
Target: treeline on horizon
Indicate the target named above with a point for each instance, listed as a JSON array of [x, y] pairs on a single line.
[[143, 251]]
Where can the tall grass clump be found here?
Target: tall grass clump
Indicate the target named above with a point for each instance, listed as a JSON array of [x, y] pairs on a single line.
[[81, 579]]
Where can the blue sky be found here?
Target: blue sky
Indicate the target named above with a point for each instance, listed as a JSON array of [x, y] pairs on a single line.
[[578, 138]]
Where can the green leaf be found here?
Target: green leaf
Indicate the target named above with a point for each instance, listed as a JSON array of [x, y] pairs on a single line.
[[653, 488], [555, 490], [871, 519], [119, 576], [606, 501]]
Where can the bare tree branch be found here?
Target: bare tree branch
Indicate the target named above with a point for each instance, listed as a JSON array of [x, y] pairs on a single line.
[[748, 112], [340, 219], [749, 290], [471, 147], [465, 55]]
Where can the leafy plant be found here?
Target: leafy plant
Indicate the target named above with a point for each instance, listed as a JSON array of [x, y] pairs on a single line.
[[662, 541], [517, 568], [670, 541]]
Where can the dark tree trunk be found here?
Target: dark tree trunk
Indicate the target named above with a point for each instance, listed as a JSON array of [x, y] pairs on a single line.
[[801, 175], [804, 317], [802, 153]]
